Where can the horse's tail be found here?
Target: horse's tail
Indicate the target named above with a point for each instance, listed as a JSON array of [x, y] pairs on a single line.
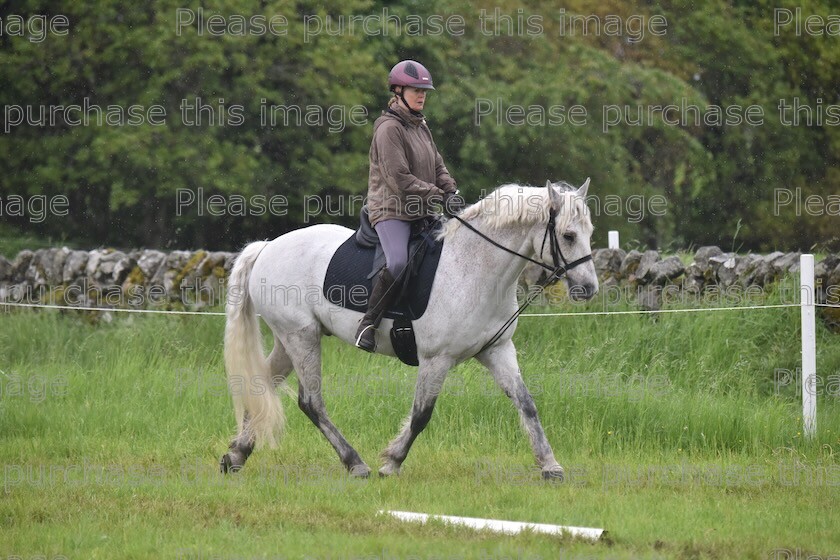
[[249, 375]]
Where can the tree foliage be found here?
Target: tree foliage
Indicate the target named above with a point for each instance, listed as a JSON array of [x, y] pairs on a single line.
[[124, 182]]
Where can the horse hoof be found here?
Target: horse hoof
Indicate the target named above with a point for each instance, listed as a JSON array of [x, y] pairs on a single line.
[[360, 471], [553, 473], [388, 470], [227, 465]]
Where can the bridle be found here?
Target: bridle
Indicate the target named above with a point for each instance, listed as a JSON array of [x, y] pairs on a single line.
[[561, 266], [558, 270]]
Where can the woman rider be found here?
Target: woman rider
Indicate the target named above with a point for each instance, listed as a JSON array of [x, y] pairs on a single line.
[[406, 174]]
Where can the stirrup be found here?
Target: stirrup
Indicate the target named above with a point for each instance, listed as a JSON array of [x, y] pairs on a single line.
[[366, 347]]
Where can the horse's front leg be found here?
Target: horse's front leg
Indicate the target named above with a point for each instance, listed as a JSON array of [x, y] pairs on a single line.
[[502, 363], [430, 378]]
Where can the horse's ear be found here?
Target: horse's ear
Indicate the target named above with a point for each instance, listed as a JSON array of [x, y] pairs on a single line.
[[581, 192], [554, 197]]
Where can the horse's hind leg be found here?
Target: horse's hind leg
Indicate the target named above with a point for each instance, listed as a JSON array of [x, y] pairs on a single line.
[[280, 363], [239, 450], [304, 347], [502, 363], [430, 379], [243, 444]]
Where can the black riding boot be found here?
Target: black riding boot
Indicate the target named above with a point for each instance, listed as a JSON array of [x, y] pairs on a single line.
[[382, 294]]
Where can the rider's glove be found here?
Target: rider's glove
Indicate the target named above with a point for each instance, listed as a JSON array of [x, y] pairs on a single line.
[[453, 203]]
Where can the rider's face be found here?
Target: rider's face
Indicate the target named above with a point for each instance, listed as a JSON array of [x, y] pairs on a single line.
[[415, 97]]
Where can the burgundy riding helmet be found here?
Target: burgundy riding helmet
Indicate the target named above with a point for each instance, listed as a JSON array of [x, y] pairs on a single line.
[[410, 73]]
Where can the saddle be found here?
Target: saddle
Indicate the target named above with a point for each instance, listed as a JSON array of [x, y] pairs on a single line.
[[354, 264]]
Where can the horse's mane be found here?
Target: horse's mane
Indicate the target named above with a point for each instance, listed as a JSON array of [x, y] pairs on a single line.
[[512, 204]]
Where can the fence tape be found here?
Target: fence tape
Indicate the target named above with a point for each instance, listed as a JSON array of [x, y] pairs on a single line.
[[565, 314]]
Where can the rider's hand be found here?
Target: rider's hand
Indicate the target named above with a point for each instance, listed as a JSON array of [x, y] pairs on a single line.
[[453, 203]]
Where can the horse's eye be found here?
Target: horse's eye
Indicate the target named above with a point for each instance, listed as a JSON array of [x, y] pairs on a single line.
[[570, 237]]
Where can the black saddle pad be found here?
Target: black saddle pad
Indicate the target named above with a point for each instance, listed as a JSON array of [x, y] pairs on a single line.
[[347, 283]]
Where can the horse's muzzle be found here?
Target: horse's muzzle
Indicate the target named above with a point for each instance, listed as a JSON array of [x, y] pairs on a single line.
[[583, 292]]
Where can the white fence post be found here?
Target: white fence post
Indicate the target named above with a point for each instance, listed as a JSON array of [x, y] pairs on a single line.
[[809, 344], [613, 239]]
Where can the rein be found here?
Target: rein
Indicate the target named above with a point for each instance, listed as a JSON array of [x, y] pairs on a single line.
[[561, 267]]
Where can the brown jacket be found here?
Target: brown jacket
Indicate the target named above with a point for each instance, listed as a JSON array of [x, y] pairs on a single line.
[[406, 169]]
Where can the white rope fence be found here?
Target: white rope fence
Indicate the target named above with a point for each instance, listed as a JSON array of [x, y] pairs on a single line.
[[652, 311], [566, 314], [114, 309]]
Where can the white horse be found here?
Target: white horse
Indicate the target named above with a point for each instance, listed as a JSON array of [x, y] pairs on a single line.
[[473, 295]]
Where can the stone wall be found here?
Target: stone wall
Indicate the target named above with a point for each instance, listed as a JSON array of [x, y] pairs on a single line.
[[150, 278], [107, 278], [646, 278]]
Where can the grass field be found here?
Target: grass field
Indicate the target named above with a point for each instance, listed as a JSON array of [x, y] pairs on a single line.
[[680, 435]]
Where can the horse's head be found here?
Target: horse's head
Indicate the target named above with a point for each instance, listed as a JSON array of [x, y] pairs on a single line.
[[573, 230]]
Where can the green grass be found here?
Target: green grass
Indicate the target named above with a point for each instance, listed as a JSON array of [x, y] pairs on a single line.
[[671, 431]]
